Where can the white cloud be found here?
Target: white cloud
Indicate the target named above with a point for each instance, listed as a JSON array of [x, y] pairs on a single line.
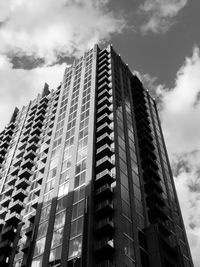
[[49, 28], [160, 14], [18, 86], [180, 113]]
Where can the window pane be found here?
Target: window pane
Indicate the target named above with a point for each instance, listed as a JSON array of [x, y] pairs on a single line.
[[75, 247], [39, 246], [57, 237], [37, 262], [59, 220]]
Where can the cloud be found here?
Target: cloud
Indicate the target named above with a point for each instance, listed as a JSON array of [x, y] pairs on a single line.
[[160, 14], [180, 112], [48, 28], [18, 86]]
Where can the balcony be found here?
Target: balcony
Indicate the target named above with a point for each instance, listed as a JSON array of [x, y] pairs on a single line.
[[138, 92], [105, 100], [105, 109], [34, 138], [22, 183], [150, 174], [19, 194], [105, 139], [3, 212], [36, 130], [20, 153], [1, 158], [29, 230], [16, 205], [37, 124], [30, 155], [104, 227], [7, 137], [27, 126], [25, 173], [142, 122], [31, 146], [103, 86], [103, 73], [148, 162], [104, 177], [34, 203], [146, 148], [8, 190], [168, 248], [104, 209], [4, 144], [44, 100], [104, 150], [3, 151], [13, 218], [103, 192], [21, 145], [152, 184], [164, 229], [153, 198], [145, 138], [107, 92], [11, 180], [105, 66], [106, 127], [31, 216], [27, 164], [5, 201], [5, 247], [4, 261], [104, 249], [104, 163], [43, 104], [39, 117], [103, 119], [103, 54], [156, 213], [9, 232], [103, 61], [26, 245]]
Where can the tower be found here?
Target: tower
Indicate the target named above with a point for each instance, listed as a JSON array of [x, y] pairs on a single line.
[[85, 176]]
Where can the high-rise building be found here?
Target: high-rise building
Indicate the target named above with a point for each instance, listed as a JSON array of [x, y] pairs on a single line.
[[85, 178]]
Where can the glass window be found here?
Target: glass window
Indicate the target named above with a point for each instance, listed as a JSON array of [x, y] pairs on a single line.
[[57, 237], [45, 213], [64, 176], [128, 248], [63, 189], [78, 210], [126, 209], [79, 179], [59, 220], [125, 194], [79, 194], [42, 229], [76, 227], [123, 166], [37, 262], [61, 204], [55, 255], [39, 246], [75, 247]]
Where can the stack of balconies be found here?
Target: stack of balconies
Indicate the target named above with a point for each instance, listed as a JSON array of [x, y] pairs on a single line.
[[157, 208], [26, 172], [103, 209], [6, 137]]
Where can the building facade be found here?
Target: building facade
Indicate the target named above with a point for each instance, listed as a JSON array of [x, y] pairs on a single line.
[[85, 177]]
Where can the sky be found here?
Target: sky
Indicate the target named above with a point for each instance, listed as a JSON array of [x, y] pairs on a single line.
[[160, 41]]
